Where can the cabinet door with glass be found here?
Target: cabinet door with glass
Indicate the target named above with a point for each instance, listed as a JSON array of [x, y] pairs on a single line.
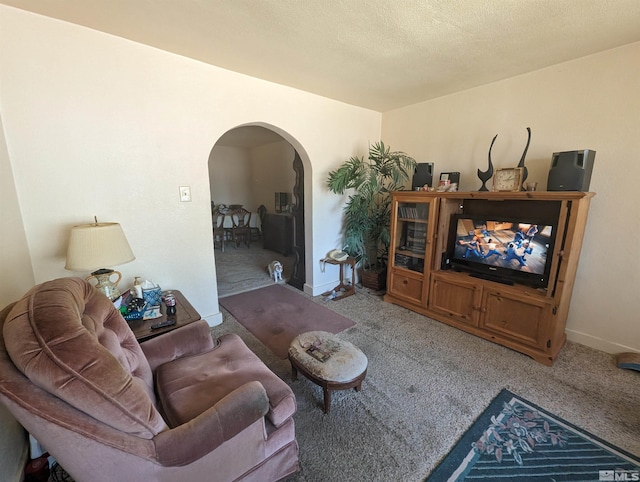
[[410, 249], [411, 235]]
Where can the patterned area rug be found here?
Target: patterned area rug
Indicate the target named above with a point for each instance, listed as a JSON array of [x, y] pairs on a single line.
[[276, 315], [514, 439]]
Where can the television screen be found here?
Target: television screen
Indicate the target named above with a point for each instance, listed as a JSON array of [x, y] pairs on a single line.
[[504, 250]]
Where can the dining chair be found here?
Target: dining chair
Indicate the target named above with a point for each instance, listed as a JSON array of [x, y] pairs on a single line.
[[256, 232], [241, 229], [219, 234]]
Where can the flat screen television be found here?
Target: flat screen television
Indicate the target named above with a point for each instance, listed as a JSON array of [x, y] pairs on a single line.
[[512, 250]]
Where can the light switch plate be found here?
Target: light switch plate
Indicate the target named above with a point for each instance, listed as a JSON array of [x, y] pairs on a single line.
[[185, 194]]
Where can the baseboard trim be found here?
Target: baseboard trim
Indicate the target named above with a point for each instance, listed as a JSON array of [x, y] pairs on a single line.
[[319, 289], [214, 320], [599, 343]]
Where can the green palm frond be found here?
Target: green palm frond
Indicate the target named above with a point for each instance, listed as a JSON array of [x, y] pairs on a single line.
[[348, 176], [367, 214]]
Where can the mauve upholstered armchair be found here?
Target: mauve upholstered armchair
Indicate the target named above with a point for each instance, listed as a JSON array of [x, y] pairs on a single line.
[[180, 406]]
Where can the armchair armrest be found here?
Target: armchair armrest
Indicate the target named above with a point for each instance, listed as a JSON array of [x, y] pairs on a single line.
[[227, 418], [190, 339]]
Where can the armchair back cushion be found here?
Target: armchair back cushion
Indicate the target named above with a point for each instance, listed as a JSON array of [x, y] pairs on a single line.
[[68, 339]]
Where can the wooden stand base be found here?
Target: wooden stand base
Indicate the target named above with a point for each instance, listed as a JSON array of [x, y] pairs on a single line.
[[328, 386], [342, 290]]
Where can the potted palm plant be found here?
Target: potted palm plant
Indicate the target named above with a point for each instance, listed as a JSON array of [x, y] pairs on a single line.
[[367, 214]]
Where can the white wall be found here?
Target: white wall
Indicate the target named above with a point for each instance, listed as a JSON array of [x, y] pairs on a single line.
[[230, 176], [272, 171], [98, 125], [17, 278], [590, 103], [251, 176], [14, 253]]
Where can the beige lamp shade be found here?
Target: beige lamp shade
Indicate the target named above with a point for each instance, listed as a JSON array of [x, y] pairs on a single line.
[[98, 245]]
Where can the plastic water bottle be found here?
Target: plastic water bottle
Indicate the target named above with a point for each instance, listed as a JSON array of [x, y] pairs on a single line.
[[331, 296]]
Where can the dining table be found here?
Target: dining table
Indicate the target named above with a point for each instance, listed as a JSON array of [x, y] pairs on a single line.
[[254, 222]]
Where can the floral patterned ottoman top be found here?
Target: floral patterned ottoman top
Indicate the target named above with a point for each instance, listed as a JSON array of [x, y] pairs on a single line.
[[326, 356]]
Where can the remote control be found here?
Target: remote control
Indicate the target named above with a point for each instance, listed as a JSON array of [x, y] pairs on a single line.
[[163, 324]]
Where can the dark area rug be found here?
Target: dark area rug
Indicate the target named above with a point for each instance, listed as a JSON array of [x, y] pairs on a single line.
[[513, 439], [276, 315]]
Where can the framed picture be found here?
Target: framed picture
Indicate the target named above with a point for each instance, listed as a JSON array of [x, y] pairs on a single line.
[[282, 200], [452, 177]]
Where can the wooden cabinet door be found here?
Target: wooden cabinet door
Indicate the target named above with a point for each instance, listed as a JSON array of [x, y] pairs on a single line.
[[457, 299], [411, 247], [411, 233], [407, 285], [520, 318]]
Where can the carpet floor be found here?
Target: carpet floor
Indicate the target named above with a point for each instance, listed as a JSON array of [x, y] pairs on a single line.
[[276, 315], [426, 384], [243, 269]]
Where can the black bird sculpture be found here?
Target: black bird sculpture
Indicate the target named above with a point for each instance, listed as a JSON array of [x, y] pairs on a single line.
[[486, 175], [525, 171]]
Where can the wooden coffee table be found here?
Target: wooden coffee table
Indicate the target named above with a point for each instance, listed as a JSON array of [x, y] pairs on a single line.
[[345, 368], [185, 314]]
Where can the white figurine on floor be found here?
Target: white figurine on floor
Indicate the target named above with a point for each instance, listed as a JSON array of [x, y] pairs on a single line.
[[275, 270]]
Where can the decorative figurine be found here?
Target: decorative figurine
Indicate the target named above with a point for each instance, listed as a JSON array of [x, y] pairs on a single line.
[[525, 171], [486, 175]]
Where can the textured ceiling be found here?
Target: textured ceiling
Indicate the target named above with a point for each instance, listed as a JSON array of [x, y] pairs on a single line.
[[378, 54]]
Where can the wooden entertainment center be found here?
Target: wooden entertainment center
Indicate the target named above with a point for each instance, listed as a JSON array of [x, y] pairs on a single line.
[[529, 320]]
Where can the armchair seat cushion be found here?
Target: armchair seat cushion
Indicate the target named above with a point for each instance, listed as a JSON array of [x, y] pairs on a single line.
[[188, 386]]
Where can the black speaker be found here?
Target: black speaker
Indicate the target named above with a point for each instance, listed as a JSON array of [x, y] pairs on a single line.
[[423, 175], [571, 170]]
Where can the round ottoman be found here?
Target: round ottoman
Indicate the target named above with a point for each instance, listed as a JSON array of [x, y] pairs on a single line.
[[337, 364]]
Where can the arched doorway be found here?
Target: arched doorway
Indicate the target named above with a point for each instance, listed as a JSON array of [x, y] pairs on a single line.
[[247, 165]]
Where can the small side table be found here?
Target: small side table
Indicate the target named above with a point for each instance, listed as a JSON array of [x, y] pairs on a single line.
[[185, 314], [343, 290]]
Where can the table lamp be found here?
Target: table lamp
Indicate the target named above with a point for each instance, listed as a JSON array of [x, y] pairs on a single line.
[[93, 246]]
